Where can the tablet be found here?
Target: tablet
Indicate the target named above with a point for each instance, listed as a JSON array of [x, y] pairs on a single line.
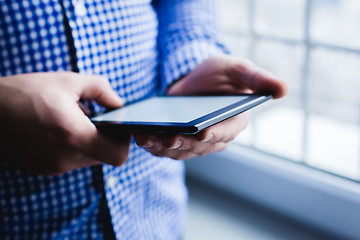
[[176, 114]]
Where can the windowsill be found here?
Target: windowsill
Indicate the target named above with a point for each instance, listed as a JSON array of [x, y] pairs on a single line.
[[216, 214], [324, 201]]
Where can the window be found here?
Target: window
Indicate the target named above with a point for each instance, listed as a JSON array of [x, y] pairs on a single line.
[[314, 45]]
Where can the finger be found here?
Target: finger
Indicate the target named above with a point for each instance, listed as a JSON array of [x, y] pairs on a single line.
[[264, 82], [171, 145], [87, 140], [168, 141], [174, 154], [106, 150], [99, 89], [144, 140], [159, 141], [198, 149], [249, 76], [225, 131], [158, 146], [202, 149]]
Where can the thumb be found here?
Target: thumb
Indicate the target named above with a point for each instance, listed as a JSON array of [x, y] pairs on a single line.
[[99, 89], [246, 75], [264, 82]]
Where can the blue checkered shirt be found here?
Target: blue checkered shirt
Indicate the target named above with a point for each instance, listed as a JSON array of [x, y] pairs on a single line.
[[142, 46]]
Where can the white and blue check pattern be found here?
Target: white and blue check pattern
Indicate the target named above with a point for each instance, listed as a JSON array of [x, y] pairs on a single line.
[[142, 46]]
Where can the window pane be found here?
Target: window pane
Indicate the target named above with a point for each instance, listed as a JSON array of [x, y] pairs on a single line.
[[278, 126], [334, 146], [280, 131], [334, 84], [332, 118], [238, 46], [336, 22], [280, 18], [334, 101], [246, 136], [233, 15], [285, 61]]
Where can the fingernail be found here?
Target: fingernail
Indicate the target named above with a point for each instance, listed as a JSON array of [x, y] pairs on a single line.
[[177, 144], [208, 138]]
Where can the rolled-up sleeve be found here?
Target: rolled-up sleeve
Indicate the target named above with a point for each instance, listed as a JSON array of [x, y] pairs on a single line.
[[188, 34]]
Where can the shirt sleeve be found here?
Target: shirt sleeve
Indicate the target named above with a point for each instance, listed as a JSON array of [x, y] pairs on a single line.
[[188, 34]]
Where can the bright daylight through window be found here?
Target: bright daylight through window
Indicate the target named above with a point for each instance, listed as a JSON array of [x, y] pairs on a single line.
[[314, 45]]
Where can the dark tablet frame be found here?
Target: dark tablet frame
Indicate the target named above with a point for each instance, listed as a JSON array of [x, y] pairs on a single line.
[[192, 127]]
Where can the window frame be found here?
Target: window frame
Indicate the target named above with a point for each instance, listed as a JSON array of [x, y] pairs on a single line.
[[315, 197], [309, 46]]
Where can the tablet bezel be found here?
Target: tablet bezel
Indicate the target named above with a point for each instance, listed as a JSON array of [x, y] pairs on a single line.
[[192, 127]]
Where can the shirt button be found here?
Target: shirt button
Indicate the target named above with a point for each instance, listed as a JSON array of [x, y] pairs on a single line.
[[80, 9], [111, 181]]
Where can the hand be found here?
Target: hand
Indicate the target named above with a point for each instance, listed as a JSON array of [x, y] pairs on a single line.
[[226, 75], [222, 75], [178, 146], [44, 130]]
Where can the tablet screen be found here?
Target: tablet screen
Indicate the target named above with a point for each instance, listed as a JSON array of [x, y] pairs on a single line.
[[170, 109]]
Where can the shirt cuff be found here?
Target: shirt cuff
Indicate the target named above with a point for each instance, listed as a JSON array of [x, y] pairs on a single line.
[[186, 58]]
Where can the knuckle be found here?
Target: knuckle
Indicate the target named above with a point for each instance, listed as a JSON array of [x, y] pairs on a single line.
[[243, 65], [192, 147], [102, 82], [215, 137], [46, 100], [70, 77], [185, 145], [208, 136], [202, 135], [170, 142], [154, 149]]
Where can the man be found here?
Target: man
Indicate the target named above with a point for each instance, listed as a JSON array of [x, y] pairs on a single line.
[[59, 177]]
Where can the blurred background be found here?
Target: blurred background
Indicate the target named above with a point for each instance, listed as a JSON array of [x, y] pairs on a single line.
[[313, 45]]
